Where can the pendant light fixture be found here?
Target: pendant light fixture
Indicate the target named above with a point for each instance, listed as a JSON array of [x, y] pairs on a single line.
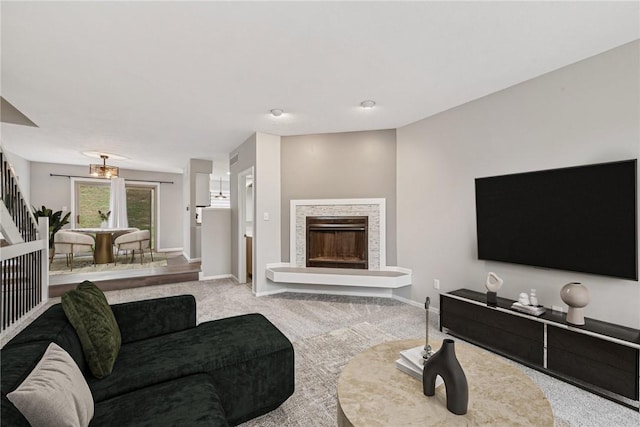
[[220, 195], [104, 171]]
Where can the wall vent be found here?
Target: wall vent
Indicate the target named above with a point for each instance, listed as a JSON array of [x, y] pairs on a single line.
[[233, 160]]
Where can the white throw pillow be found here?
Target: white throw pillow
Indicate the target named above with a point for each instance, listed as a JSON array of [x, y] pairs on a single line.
[[55, 393]]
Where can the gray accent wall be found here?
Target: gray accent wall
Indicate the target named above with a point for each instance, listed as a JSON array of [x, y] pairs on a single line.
[[349, 165], [588, 112]]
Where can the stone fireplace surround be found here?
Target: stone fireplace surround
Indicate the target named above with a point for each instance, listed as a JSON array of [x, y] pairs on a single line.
[[378, 280], [374, 209]]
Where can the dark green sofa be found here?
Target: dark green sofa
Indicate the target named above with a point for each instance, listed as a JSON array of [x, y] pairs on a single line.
[[168, 371]]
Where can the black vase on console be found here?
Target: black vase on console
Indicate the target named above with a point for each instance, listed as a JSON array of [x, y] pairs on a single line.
[[445, 364]]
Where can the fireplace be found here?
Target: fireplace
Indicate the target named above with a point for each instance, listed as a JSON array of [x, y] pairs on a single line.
[[337, 241]]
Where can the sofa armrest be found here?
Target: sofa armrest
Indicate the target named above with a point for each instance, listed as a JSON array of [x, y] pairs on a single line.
[[139, 320]]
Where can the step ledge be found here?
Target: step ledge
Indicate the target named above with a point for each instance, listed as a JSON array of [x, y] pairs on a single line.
[[389, 277]]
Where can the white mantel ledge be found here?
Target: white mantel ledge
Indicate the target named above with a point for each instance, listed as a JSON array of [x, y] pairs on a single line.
[[390, 277]]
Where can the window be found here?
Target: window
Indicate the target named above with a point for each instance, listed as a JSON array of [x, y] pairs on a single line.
[[141, 203], [93, 196]]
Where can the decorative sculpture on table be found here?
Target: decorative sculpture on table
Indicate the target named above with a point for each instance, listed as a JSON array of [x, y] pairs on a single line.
[[493, 285], [427, 352], [445, 364], [524, 298], [576, 296]]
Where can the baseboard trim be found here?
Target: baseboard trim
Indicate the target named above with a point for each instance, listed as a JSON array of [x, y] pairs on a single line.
[[190, 260], [219, 276], [274, 292], [169, 250], [415, 303]]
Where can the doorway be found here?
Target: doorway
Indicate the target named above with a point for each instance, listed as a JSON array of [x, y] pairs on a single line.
[[246, 229]]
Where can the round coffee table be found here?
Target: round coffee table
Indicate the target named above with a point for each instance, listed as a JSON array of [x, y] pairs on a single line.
[[373, 392]]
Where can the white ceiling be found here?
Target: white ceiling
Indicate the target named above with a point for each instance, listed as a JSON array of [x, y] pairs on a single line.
[[162, 82]]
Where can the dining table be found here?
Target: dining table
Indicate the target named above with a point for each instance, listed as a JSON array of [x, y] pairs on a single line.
[[103, 252]]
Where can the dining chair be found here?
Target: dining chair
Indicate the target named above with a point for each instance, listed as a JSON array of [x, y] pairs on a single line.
[[71, 243], [135, 241]]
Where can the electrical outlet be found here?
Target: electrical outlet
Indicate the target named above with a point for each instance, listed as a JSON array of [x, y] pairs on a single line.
[[557, 308], [436, 284]]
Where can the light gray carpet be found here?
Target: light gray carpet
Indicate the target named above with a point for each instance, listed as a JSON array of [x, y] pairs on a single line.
[[319, 361], [328, 330]]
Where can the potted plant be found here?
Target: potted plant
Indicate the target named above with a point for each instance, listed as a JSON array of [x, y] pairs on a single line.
[[104, 217], [56, 222]]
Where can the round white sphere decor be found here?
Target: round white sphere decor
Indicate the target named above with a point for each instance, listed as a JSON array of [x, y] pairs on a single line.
[[576, 296]]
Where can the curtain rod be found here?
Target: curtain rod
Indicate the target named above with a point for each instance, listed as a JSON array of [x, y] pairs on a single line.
[[126, 179]]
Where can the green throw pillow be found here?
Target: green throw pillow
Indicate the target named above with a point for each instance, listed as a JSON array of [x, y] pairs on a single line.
[[89, 312]]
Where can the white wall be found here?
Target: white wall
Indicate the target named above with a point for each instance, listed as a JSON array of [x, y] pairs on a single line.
[[266, 185], [216, 242], [585, 113], [55, 193], [191, 228]]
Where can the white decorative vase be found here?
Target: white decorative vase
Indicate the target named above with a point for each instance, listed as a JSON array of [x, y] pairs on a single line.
[[104, 224], [576, 296]]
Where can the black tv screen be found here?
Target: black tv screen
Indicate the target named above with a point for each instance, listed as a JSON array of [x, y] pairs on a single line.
[[580, 219]]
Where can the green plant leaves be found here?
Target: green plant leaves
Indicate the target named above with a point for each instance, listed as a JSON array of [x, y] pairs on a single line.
[[56, 220]]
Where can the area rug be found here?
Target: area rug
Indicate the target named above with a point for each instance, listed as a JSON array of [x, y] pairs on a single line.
[[84, 264], [319, 361]]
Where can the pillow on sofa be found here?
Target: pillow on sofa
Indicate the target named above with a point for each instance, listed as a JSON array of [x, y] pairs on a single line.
[[89, 312], [55, 393]]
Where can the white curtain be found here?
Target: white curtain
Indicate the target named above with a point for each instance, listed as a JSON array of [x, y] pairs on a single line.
[[118, 204]]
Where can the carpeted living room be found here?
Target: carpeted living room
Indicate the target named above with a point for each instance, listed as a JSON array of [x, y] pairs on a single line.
[[320, 213], [327, 331]]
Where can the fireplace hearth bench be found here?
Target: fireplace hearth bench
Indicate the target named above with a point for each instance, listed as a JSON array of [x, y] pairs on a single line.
[[168, 370]]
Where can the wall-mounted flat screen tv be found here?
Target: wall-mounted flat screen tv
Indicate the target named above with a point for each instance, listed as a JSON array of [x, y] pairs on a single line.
[[580, 219]]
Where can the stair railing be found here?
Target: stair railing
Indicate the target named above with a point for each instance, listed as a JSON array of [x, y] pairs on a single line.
[[24, 263]]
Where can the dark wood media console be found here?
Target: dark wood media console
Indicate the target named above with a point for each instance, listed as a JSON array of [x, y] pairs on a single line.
[[600, 357]]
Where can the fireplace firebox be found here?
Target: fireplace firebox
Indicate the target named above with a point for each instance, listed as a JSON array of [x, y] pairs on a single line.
[[337, 241]]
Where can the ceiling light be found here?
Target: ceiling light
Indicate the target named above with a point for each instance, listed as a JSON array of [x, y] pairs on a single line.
[[367, 105], [276, 112], [104, 171], [220, 195]]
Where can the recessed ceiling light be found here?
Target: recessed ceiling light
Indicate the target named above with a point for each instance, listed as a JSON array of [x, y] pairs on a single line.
[[367, 105], [276, 112]]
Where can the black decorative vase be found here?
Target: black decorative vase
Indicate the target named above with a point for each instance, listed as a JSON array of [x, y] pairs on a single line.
[[445, 364]]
